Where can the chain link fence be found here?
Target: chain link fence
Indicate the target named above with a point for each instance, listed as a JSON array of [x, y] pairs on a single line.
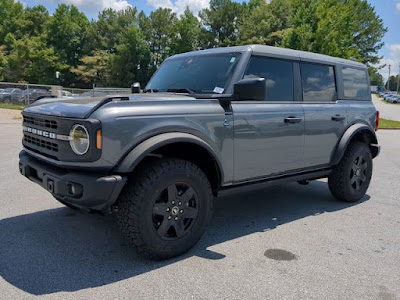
[[26, 93]]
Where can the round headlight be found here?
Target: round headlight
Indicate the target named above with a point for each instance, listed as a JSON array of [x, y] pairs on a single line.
[[79, 139]]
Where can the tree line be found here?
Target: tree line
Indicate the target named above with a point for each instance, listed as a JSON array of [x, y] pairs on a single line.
[[121, 47]]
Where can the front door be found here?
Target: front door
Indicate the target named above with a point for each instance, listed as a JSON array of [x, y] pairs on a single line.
[[269, 134]]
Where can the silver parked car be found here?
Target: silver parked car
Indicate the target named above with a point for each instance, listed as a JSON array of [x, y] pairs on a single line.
[[11, 95]]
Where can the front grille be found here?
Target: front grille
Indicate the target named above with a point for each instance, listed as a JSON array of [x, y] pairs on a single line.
[[46, 136], [41, 143], [40, 122]]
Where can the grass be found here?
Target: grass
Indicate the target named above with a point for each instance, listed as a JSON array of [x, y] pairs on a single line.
[[12, 106], [388, 124]]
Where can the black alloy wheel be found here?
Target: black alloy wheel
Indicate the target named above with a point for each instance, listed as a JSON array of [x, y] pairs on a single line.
[[358, 175], [175, 211]]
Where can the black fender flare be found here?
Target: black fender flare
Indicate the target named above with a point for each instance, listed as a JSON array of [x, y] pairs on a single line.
[[350, 133], [137, 154]]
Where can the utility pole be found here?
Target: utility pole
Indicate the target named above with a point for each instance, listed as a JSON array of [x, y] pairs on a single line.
[[398, 79], [388, 83]]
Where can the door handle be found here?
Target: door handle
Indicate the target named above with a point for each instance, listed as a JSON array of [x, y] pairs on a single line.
[[338, 118], [293, 120]]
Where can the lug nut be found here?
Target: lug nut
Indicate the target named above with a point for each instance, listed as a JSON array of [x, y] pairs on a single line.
[[180, 203], [169, 217], [167, 208], [176, 218], [181, 211], [173, 202]]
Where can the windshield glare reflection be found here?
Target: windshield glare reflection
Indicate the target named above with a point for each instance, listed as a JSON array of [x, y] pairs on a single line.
[[201, 74]]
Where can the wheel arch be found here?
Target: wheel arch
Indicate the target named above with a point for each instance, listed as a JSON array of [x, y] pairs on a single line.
[[356, 132], [178, 145]]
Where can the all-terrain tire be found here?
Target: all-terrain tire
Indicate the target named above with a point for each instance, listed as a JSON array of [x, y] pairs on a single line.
[[146, 215], [350, 179]]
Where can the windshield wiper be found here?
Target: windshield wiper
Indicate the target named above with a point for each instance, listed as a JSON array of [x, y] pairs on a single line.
[[182, 90]]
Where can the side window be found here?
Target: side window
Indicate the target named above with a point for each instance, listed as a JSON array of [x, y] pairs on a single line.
[[278, 75], [318, 83], [355, 83]]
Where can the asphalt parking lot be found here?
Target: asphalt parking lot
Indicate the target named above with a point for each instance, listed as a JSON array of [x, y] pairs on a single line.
[[284, 242]]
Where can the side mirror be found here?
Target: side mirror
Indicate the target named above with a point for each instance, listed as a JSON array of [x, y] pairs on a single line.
[[135, 88], [250, 89]]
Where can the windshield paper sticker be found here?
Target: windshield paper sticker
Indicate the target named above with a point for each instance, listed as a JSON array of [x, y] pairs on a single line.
[[233, 59], [218, 90]]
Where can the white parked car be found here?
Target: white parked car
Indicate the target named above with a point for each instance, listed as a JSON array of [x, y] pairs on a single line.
[[393, 99]]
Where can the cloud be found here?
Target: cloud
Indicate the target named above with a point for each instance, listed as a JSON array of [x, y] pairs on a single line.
[[398, 6], [92, 7], [393, 60], [179, 6]]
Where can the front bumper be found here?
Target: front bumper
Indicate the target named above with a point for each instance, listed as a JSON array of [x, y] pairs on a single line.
[[80, 189]]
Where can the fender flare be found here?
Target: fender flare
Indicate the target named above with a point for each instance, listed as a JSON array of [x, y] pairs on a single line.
[[352, 131], [137, 154]]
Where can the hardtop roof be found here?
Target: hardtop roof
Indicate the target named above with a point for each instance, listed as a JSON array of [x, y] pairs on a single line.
[[277, 52]]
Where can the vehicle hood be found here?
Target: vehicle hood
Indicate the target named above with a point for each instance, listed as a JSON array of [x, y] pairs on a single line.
[[83, 107]]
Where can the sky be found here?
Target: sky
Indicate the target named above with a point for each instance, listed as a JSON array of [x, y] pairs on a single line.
[[388, 10]]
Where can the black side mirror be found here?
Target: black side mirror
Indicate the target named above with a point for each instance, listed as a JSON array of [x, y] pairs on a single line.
[[135, 88], [250, 89]]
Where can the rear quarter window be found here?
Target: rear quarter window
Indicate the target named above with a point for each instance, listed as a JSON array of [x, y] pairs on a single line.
[[355, 83]]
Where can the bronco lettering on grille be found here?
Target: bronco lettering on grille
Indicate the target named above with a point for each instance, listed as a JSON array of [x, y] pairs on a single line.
[[46, 134]]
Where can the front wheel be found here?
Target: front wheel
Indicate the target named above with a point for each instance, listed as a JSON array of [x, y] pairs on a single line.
[[350, 179], [163, 212]]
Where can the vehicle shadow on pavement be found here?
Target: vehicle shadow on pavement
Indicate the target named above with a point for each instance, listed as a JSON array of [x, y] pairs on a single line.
[[65, 250]]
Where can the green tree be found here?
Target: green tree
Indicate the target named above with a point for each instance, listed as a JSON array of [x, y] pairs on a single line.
[[221, 23], [158, 30], [392, 83], [36, 20], [104, 33], [375, 77], [67, 33], [344, 28], [95, 69], [265, 23], [11, 16], [131, 60], [3, 61], [30, 59], [186, 33]]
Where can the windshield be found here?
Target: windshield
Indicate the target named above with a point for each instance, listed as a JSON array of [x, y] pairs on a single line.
[[201, 74]]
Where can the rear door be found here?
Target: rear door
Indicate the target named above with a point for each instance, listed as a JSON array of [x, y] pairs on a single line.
[[325, 116], [269, 134]]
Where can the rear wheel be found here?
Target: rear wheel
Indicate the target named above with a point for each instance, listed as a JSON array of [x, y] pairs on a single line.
[[163, 212], [350, 179]]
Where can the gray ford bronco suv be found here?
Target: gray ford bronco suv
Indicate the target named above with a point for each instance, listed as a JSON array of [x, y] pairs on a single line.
[[209, 122]]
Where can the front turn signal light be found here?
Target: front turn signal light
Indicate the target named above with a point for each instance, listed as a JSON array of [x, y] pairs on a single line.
[[98, 139]]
